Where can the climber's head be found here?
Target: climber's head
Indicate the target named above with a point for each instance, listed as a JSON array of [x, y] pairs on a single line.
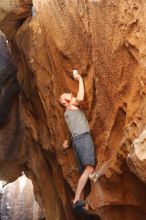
[[65, 98]]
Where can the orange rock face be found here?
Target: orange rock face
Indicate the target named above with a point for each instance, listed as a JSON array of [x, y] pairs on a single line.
[[105, 41]]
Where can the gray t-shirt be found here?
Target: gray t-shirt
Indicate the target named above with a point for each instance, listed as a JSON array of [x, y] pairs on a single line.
[[76, 121]]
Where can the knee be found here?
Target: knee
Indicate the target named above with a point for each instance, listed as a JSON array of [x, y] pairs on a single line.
[[89, 169]]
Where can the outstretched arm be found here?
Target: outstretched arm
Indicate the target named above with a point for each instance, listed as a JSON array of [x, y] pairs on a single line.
[[81, 92]]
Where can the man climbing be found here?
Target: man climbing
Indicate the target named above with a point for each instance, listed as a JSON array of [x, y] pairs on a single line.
[[81, 138]]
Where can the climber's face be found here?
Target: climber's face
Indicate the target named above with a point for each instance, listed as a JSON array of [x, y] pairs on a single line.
[[65, 98]]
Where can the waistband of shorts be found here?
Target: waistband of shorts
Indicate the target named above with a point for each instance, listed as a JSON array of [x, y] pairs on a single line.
[[79, 136]]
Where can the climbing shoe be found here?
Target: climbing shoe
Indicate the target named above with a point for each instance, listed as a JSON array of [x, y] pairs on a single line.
[[78, 205]]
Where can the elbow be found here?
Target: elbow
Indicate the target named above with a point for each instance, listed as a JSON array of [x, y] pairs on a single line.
[[80, 99]]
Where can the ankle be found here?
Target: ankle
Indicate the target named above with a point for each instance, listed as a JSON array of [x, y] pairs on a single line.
[[74, 201]]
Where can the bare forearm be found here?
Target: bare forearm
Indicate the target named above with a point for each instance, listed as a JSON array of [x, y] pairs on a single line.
[[80, 94]]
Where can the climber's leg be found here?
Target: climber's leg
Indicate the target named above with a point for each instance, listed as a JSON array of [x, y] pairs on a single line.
[[84, 150], [82, 197], [82, 182]]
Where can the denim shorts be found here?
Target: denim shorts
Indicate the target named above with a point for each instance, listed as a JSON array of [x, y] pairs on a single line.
[[84, 150]]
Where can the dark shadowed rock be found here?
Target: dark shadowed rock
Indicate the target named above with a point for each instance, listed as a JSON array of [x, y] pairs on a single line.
[[11, 133]]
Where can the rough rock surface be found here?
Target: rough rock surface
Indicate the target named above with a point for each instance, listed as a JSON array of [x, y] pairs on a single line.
[[104, 40], [137, 156], [12, 153], [12, 15], [18, 201]]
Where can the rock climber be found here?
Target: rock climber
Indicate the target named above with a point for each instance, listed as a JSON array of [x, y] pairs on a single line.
[[81, 138]]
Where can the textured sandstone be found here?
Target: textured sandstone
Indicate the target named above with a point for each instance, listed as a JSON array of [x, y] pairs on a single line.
[[137, 157], [18, 201], [12, 14], [104, 40]]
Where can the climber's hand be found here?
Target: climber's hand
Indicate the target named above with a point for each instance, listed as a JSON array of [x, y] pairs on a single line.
[[65, 145], [76, 75]]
